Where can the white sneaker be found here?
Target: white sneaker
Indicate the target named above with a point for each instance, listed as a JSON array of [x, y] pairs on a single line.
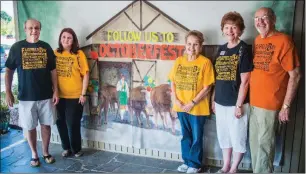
[[193, 170], [80, 153], [182, 168]]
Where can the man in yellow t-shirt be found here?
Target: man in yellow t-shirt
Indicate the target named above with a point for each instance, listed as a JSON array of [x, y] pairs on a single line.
[[191, 78]]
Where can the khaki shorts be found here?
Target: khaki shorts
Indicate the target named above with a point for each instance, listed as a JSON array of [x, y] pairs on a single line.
[[32, 111]]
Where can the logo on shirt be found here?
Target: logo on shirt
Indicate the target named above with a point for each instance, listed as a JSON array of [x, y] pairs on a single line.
[[64, 66], [263, 54], [226, 67], [186, 77], [34, 58]]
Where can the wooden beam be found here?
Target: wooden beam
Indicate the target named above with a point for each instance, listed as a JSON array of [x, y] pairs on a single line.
[[297, 113], [167, 16], [302, 154], [299, 38], [107, 22], [141, 15], [132, 21], [151, 22]]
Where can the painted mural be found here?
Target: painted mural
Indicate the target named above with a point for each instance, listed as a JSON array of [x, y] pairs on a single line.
[[130, 55]]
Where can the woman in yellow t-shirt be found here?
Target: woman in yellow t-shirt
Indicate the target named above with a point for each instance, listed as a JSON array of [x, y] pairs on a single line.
[[72, 71], [191, 78]]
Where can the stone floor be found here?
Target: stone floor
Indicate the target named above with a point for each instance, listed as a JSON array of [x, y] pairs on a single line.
[[15, 158]]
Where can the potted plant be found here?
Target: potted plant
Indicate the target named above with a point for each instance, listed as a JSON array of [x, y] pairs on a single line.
[[4, 117]]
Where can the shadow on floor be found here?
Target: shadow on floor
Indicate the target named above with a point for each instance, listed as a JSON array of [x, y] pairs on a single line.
[[15, 158]]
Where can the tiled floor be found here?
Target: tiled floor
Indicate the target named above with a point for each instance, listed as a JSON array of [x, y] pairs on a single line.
[[15, 159]]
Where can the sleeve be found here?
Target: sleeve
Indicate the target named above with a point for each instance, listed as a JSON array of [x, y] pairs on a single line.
[[290, 60], [11, 61], [209, 76], [83, 63], [173, 70], [118, 87], [51, 64], [246, 60]]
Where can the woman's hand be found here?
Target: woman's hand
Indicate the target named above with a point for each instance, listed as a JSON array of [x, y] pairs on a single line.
[[238, 112], [82, 99], [213, 107], [179, 103], [188, 107]]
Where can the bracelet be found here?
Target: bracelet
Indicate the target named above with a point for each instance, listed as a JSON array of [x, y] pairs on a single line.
[[193, 102]]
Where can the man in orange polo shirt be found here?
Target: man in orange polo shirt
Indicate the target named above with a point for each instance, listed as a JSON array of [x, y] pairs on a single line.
[[273, 85]]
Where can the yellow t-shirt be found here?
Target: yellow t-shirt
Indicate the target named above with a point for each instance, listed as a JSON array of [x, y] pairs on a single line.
[[190, 77], [70, 71]]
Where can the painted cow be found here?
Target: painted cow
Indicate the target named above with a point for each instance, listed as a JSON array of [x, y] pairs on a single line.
[[137, 104], [108, 97], [161, 102]]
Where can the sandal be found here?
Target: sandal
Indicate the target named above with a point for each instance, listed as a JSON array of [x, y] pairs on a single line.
[[35, 162], [66, 153], [221, 171], [49, 159]]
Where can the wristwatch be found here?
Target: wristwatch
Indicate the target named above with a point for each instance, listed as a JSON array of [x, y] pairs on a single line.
[[285, 106]]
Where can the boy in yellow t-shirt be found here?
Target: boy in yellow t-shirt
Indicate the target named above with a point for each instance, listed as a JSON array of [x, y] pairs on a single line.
[[191, 78]]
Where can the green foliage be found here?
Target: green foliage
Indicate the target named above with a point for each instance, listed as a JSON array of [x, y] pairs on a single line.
[[7, 28], [3, 105], [7, 24], [5, 17], [15, 93], [4, 110]]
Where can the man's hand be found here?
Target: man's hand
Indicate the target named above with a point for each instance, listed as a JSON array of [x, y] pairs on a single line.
[[55, 98], [82, 99], [9, 98], [188, 107], [283, 115]]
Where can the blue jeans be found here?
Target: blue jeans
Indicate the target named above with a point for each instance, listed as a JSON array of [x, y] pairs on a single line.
[[192, 141]]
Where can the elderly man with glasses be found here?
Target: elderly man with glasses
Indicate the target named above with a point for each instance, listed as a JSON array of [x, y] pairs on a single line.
[[273, 85]]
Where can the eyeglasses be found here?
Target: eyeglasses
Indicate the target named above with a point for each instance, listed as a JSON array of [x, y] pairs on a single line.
[[35, 28], [265, 18]]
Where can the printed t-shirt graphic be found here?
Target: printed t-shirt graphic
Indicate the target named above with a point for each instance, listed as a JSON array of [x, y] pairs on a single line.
[[34, 63], [70, 69], [34, 58], [274, 56], [190, 77], [229, 64]]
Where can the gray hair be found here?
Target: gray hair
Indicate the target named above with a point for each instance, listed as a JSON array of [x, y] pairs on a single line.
[[32, 19], [270, 11]]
